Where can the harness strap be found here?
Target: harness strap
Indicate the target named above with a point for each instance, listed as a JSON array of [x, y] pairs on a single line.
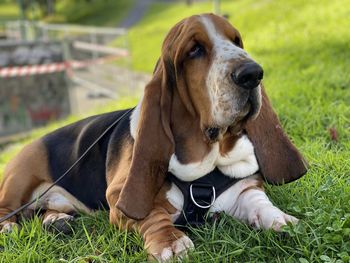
[[199, 195]]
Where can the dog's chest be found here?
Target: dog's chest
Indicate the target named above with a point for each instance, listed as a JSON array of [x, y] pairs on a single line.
[[240, 162]]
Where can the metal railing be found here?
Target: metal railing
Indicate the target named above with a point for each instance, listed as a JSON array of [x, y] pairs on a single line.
[[13, 29], [93, 46], [99, 39]]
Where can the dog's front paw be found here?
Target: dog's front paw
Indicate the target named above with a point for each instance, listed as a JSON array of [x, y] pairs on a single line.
[[271, 218], [58, 223], [8, 227], [177, 248]]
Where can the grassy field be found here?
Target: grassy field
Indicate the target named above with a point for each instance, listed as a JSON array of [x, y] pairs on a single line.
[[85, 12], [92, 12], [304, 47], [8, 11]]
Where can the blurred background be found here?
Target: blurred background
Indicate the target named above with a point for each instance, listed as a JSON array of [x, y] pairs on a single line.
[[60, 57]]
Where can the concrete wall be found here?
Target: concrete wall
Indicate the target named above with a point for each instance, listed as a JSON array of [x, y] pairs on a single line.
[[31, 101]]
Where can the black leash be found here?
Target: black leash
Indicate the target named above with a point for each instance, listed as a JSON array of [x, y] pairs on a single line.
[[15, 212]]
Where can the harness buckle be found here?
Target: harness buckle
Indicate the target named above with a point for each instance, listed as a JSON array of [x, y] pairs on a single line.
[[203, 206]]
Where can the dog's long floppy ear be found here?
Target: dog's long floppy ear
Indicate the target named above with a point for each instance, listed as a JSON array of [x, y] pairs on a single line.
[[152, 149], [154, 142], [279, 160]]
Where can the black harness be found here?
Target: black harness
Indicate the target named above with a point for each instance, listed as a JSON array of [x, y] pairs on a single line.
[[199, 196]]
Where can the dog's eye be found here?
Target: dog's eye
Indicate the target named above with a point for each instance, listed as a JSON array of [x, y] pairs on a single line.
[[237, 41], [196, 51]]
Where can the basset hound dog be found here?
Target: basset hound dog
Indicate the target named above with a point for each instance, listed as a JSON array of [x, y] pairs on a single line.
[[205, 112]]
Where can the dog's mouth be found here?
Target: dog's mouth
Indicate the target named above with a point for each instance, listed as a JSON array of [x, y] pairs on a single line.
[[249, 110], [253, 105], [212, 133], [249, 106], [254, 102]]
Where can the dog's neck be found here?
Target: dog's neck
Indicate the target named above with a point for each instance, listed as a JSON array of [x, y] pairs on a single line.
[[192, 142]]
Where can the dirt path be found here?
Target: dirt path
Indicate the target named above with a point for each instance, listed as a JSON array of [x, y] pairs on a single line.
[[104, 83]]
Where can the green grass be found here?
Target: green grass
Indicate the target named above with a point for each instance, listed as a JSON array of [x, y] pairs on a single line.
[[85, 12], [93, 12], [8, 11], [304, 47]]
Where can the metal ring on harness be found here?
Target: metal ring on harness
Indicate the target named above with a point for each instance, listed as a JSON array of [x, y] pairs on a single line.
[[203, 206]]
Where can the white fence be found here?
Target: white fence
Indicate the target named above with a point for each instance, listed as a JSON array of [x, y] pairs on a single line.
[[92, 47], [95, 41]]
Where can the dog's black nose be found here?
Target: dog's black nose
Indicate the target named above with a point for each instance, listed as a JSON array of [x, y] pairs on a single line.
[[248, 75]]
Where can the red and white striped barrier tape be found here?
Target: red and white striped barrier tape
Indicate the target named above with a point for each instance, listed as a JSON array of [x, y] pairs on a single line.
[[22, 71], [28, 70]]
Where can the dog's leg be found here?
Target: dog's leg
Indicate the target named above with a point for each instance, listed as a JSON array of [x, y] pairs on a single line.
[[8, 203], [57, 199], [163, 241], [59, 205], [254, 207], [21, 176], [12, 193]]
